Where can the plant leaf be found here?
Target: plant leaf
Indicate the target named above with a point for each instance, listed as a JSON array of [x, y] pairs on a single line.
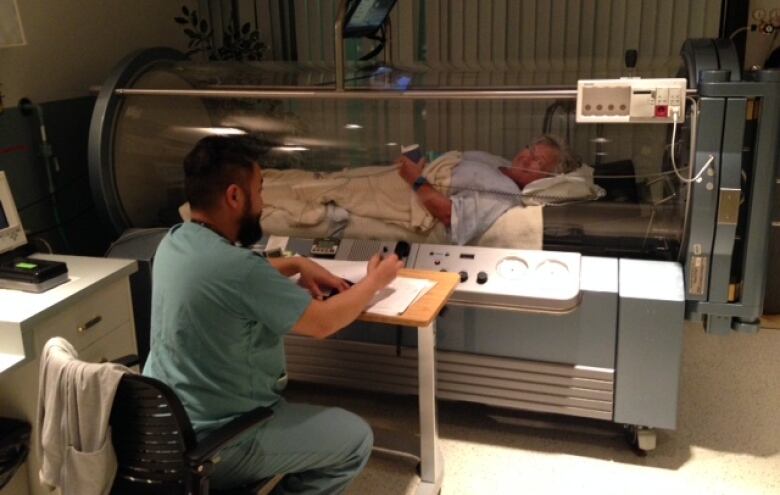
[[194, 18], [180, 20], [245, 28], [185, 10], [204, 26], [191, 33]]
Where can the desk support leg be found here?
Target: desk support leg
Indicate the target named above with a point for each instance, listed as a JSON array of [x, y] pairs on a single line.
[[431, 462]]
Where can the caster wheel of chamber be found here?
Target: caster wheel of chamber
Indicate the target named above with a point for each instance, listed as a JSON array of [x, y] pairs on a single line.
[[641, 439]]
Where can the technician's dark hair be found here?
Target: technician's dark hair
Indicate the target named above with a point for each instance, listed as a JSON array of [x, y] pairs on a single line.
[[216, 162]]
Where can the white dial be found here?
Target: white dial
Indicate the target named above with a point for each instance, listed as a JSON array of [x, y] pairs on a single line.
[[552, 269], [512, 268]]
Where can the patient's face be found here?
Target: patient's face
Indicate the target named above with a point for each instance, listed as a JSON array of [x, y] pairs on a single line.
[[533, 163]]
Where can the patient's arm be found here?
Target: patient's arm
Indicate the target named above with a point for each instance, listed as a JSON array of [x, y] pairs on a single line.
[[435, 202]]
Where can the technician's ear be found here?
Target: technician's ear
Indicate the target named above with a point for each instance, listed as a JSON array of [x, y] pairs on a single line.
[[234, 196]]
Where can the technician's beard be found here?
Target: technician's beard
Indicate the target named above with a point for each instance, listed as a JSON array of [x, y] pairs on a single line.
[[250, 231]]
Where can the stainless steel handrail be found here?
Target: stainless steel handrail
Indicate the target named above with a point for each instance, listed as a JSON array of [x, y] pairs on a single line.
[[417, 94]]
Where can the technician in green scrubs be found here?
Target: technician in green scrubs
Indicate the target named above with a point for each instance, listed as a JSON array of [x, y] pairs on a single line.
[[219, 315]]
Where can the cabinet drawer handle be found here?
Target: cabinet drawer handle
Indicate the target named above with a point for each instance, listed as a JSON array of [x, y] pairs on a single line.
[[90, 323]]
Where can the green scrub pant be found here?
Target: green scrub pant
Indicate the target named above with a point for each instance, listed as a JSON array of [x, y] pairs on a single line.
[[318, 449]]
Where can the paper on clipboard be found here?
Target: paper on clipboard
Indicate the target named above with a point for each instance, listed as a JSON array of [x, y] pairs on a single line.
[[396, 298]]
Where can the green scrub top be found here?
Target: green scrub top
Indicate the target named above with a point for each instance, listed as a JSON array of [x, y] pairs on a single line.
[[219, 314]]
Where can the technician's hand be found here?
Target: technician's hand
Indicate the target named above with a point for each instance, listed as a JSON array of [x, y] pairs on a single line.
[[410, 171], [315, 278], [383, 271]]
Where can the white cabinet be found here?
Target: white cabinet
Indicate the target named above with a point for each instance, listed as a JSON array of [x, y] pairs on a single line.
[[93, 311]]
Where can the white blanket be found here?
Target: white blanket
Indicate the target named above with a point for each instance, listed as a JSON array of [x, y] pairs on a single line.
[[376, 192]]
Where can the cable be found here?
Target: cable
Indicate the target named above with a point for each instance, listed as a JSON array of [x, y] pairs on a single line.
[[45, 243], [27, 107], [737, 31], [674, 165]]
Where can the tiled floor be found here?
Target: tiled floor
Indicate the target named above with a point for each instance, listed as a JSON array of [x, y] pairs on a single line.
[[727, 441]]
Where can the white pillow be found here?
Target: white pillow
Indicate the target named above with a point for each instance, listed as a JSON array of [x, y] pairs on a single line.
[[574, 186]]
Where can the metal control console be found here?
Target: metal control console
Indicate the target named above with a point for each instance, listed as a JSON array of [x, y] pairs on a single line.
[[511, 278]]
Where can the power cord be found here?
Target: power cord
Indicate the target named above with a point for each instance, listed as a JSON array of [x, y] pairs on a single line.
[[685, 180]]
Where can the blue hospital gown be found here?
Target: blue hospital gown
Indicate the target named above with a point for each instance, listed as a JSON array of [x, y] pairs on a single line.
[[480, 194]]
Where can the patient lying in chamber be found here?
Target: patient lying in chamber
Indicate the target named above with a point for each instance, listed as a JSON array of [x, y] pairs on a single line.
[[463, 194]]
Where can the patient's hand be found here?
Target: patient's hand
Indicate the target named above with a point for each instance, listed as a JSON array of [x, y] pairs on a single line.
[[410, 171]]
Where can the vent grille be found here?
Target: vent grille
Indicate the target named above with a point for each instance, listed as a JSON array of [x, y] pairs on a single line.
[[510, 383]]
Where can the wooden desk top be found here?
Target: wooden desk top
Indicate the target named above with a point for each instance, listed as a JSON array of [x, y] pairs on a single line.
[[422, 312]]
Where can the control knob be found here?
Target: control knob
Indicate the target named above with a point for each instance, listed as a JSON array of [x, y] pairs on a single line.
[[464, 275], [481, 277]]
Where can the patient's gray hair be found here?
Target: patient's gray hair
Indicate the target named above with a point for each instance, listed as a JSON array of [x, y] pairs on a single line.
[[568, 161]]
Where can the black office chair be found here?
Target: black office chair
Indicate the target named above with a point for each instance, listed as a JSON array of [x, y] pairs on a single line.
[[156, 448]]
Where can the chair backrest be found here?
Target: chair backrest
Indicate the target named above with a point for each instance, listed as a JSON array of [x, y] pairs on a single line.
[[151, 433]]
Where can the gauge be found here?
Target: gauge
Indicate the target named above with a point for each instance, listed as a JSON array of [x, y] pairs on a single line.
[[552, 269], [511, 268]]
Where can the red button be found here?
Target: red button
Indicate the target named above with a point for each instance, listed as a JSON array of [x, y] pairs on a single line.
[[661, 111]]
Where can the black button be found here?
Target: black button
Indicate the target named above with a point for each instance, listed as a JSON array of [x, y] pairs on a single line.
[[436, 262], [481, 277], [402, 249], [443, 270], [463, 275]]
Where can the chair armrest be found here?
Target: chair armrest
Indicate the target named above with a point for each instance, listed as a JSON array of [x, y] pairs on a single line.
[[216, 440], [129, 360]]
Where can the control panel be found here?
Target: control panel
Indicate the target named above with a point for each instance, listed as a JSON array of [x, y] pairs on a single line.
[[491, 277], [512, 278], [324, 247], [340, 249], [631, 100]]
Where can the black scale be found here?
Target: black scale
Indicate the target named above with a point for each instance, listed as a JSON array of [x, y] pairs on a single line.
[[31, 274]]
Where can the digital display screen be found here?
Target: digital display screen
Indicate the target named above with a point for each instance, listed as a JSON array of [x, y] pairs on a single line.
[[366, 16], [3, 217]]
